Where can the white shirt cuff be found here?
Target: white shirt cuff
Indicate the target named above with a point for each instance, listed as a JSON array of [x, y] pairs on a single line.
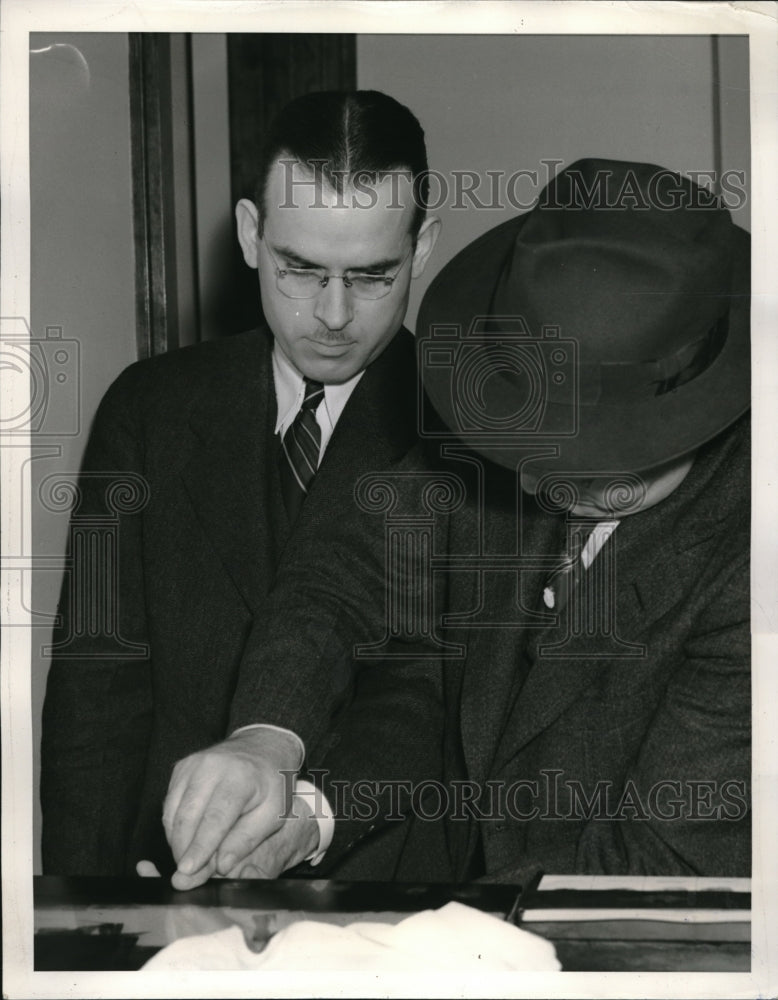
[[278, 729], [322, 813]]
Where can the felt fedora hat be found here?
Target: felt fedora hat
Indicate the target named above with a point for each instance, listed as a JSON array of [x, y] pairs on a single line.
[[610, 322]]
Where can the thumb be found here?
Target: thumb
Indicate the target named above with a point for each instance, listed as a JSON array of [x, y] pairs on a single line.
[[147, 869]]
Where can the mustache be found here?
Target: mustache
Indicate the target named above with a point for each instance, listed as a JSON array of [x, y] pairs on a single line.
[[327, 336]]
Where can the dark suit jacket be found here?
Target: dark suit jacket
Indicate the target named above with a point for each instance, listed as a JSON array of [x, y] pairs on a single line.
[[655, 716], [196, 570], [625, 750]]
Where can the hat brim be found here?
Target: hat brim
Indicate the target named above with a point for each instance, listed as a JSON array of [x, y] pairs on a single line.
[[617, 438]]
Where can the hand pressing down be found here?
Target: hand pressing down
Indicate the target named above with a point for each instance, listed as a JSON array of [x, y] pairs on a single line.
[[230, 810], [296, 840]]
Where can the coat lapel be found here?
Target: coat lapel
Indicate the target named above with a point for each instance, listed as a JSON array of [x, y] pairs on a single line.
[[650, 577], [226, 476], [378, 425], [376, 429], [493, 652]]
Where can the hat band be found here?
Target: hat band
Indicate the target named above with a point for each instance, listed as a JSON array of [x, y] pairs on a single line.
[[616, 381]]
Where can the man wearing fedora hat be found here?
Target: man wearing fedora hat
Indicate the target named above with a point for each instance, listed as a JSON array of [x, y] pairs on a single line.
[[588, 369], [596, 351]]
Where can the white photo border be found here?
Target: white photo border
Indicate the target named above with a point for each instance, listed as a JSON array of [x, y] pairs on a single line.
[[757, 20]]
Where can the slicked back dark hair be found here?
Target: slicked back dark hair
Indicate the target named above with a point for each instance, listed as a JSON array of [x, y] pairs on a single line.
[[342, 134]]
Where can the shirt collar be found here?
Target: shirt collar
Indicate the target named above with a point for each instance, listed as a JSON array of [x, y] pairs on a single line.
[[290, 388], [594, 543]]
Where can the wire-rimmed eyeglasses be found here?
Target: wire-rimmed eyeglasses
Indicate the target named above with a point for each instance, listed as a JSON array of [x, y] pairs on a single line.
[[307, 282]]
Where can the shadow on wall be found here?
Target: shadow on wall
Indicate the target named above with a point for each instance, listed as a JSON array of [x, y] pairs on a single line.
[[230, 301]]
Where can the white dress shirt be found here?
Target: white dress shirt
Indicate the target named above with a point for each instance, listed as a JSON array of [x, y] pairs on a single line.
[[599, 535], [290, 391]]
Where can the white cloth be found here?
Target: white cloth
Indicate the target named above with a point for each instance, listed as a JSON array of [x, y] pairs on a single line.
[[453, 938]]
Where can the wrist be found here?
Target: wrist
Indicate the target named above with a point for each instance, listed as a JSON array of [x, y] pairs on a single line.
[[316, 802], [281, 748], [311, 833]]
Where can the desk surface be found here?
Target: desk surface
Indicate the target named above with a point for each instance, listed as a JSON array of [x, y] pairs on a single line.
[[596, 924]]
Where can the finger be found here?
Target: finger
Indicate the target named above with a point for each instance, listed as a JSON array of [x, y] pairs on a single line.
[[249, 871], [253, 868], [199, 783], [257, 825], [184, 825], [177, 786], [147, 869], [211, 821], [180, 826], [264, 863], [247, 835], [209, 804], [183, 881], [275, 854], [175, 789]]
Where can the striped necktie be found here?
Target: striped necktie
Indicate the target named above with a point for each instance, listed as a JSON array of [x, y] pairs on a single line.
[[300, 446]]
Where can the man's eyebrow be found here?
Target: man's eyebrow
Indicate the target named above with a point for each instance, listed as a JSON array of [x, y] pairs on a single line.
[[296, 260], [380, 265]]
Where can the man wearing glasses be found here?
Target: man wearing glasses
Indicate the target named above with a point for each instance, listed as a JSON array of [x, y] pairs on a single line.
[[245, 446]]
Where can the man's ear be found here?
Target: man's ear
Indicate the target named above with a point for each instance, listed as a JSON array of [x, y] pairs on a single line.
[[248, 229], [425, 244]]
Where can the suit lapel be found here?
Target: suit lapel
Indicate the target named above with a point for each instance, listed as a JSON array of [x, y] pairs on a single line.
[[494, 653], [650, 577], [226, 476], [561, 665], [375, 430], [379, 422]]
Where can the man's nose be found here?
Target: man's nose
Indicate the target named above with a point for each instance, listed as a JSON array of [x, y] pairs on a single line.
[[333, 305]]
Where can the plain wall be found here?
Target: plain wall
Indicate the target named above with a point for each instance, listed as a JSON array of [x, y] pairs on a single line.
[[81, 277], [506, 103]]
